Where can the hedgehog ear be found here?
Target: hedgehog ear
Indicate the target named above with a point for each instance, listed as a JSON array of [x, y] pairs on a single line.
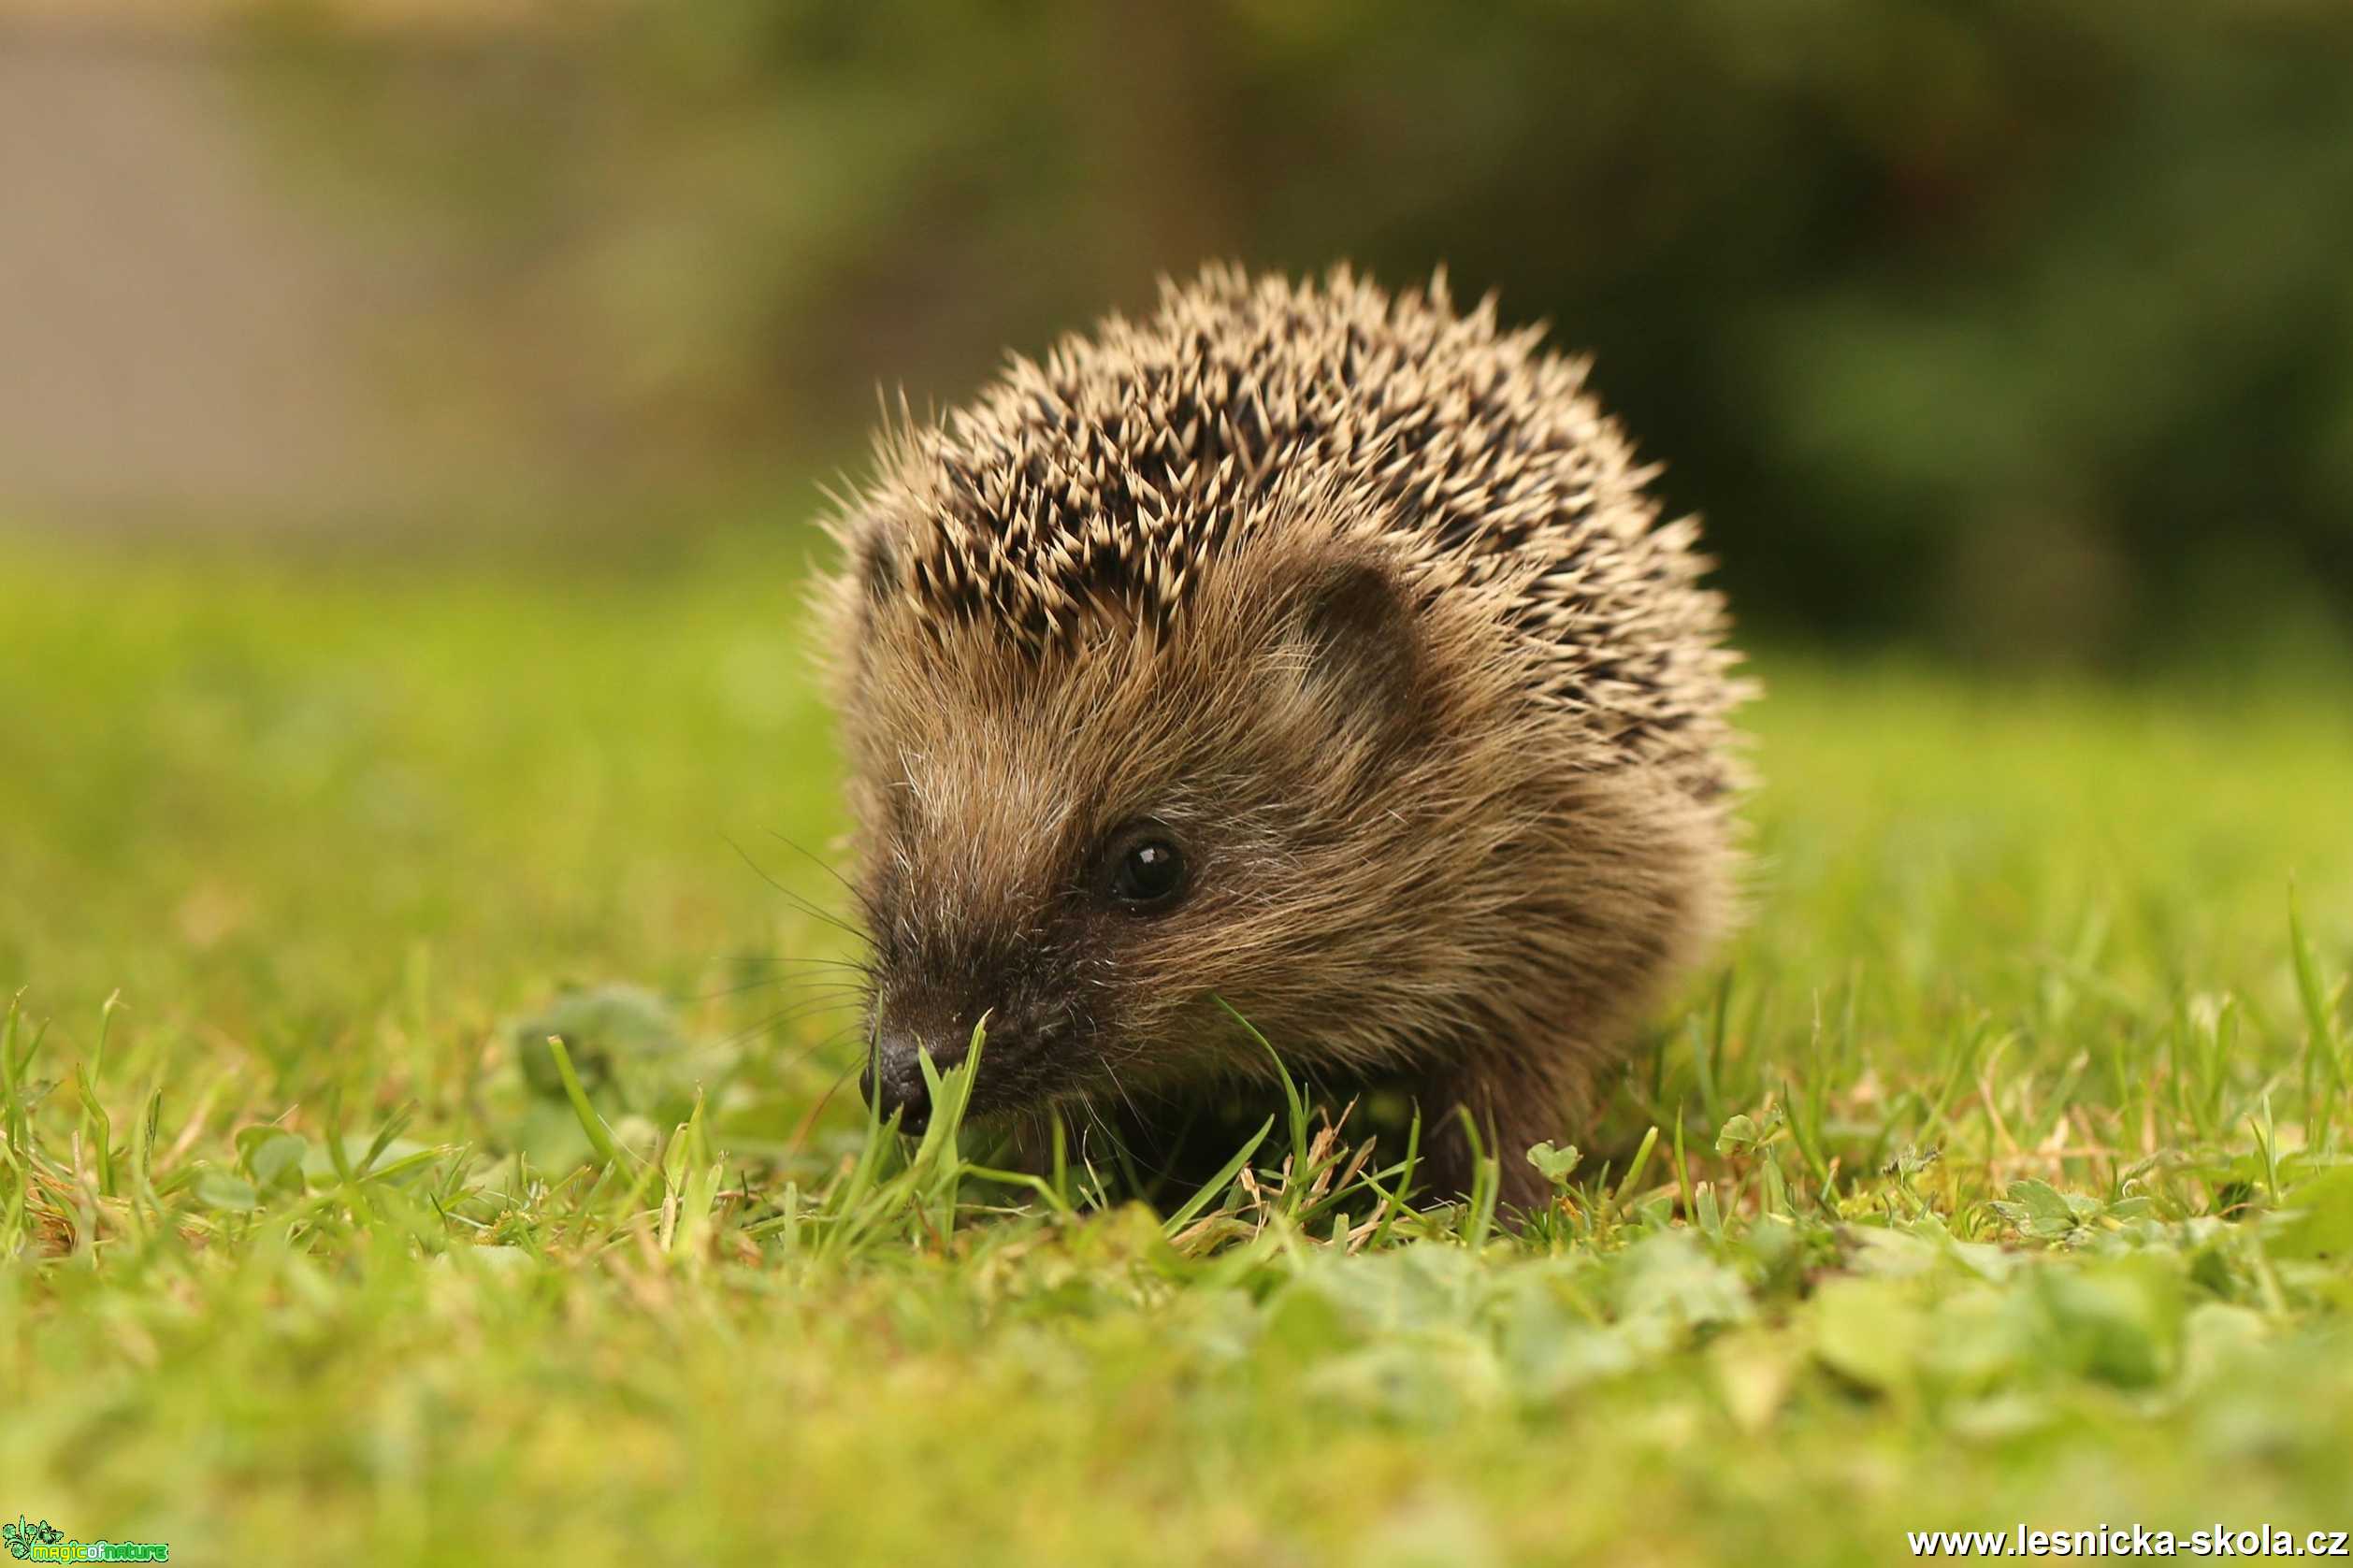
[[1351, 621]]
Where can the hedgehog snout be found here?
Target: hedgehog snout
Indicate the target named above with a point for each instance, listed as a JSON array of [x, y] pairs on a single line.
[[893, 1077], [1024, 1058]]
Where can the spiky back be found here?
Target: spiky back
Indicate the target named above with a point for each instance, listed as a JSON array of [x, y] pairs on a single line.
[[1104, 476]]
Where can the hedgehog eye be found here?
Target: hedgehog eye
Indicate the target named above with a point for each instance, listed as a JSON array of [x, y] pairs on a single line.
[[1147, 868]]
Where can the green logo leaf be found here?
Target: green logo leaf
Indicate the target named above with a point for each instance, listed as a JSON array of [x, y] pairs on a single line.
[[23, 1536]]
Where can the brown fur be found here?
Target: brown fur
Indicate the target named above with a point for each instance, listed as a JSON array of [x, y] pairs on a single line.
[[1365, 600]]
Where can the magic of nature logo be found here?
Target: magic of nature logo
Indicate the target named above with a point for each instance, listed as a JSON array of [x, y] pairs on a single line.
[[29, 1542]]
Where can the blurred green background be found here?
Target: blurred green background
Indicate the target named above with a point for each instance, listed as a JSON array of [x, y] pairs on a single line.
[[2019, 332], [412, 414]]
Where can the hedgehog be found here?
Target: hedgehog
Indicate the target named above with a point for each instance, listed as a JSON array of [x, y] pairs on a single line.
[[1294, 665]]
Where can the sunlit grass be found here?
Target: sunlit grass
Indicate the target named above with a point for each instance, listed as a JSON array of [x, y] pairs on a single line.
[[422, 1132]]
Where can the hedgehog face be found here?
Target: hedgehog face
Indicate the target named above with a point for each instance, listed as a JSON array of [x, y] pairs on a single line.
[[1092, 848]]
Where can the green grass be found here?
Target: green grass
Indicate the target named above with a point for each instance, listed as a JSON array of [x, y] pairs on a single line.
[[2000, 1175]]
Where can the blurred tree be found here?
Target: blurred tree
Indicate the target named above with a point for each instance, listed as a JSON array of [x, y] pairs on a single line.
[[2022, 326]]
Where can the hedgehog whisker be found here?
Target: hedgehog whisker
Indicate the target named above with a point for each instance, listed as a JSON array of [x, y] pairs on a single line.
[[791, 1015], [797, 902], [824, 1045], [1113, 1073], [808, 960], [858, 894], [800, 1139], [750, 986]]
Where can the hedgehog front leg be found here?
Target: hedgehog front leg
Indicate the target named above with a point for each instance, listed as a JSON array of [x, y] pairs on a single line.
[[1512, 1110]]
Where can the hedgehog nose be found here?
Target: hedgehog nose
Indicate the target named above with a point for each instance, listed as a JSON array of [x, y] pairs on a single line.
[[893, 1079]]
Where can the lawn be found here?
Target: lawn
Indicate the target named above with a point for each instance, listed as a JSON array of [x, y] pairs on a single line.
[[2000, 1175]]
